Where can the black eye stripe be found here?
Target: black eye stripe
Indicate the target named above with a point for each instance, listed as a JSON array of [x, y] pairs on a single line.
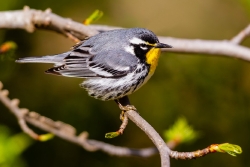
[[140, 52]]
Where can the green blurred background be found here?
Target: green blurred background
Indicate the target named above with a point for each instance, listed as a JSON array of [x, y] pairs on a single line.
[[212, 92]]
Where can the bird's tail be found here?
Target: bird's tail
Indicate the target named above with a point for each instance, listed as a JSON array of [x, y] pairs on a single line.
[[44, 59]]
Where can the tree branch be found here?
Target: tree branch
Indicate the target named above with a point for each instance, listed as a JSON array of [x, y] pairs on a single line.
[[68, 133], [209, 47], [65, 131], [31, 19], [241, 36], [153, 135]]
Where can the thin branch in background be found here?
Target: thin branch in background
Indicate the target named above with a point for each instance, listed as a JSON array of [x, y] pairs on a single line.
[[241, 36], [31, 19], [19, 113], [231, 149], [67, 132]]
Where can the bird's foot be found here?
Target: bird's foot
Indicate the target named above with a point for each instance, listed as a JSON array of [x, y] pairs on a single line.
[[124, 109], [127, 107]]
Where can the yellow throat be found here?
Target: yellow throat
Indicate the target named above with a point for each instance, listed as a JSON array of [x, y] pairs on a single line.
[[152, 58]]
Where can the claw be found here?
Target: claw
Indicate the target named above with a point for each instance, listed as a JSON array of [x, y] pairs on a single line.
[[127, 107]]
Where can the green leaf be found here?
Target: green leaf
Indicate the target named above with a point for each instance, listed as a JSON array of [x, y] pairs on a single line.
[[181, 132], [96, 15], [231, 149], [12, 146], [46, 137], [111, 135]]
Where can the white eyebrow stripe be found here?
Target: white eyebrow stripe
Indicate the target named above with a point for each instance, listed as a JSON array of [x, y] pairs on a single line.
[[130, 49], [136, 41]]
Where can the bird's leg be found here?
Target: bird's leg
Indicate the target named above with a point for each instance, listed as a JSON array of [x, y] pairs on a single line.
[[124, 105]]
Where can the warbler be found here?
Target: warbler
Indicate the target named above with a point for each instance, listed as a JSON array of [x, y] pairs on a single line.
[[114, 63]]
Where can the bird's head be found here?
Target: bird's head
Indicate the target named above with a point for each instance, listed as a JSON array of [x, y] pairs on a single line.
[[143, 43]]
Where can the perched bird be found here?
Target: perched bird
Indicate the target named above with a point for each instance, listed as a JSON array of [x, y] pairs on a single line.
[[114, 63]]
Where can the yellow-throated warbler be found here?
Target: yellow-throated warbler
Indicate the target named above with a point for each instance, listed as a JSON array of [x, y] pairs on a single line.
[[115, 63]]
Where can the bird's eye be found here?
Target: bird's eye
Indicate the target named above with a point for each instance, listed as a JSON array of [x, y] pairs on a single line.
[[143, 46]]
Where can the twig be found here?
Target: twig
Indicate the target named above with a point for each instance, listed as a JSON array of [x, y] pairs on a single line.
[[19, 113], [124, 124], [241, 36], [132, 114], [231, 149], [153, 135]]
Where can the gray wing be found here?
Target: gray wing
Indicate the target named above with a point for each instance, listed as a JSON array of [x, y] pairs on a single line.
[[74, 64], [80, 63], [110, 64]]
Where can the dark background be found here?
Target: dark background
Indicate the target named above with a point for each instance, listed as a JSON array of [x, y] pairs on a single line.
[[212, 92]]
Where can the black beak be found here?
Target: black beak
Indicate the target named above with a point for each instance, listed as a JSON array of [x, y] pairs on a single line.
[[162, 45]]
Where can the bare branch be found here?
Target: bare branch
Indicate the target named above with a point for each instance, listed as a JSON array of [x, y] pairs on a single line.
[[210, 47], [124, 124], [19, 113], [153, 135], [30, 19], [231, 149], [66, 131], [131, 112], [241, 36]]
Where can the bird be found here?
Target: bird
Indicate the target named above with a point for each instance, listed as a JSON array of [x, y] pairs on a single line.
[[113, 64]]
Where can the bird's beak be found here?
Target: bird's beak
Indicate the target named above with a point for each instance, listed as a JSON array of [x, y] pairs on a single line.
[[162, 45]]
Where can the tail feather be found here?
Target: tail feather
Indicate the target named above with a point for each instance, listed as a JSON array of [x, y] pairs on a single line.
[[56, 59]]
